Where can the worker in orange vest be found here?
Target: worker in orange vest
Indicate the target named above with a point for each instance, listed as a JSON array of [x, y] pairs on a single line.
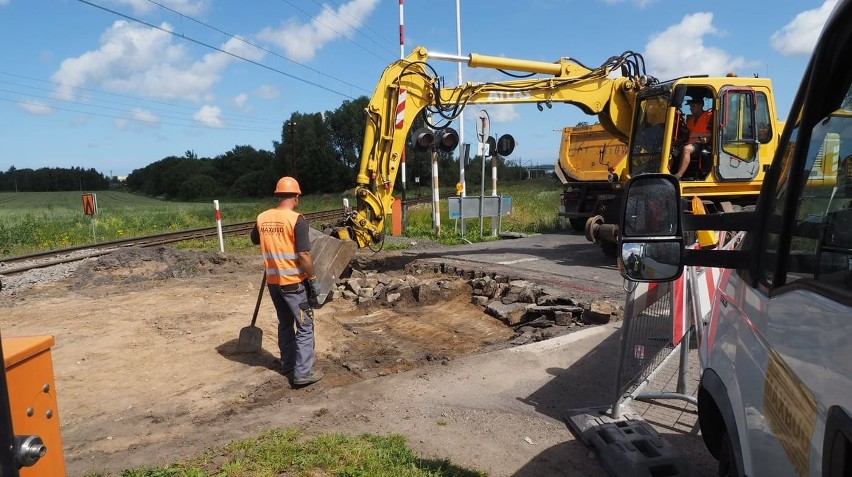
[[284, 239], [700, 127]]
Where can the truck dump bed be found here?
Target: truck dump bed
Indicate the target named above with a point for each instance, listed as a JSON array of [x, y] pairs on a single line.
[[588, 152]]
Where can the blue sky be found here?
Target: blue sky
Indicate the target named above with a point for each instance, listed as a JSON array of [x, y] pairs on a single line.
[[83, 86]]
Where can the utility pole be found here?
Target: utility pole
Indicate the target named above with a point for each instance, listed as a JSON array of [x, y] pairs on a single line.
[[292, 127]]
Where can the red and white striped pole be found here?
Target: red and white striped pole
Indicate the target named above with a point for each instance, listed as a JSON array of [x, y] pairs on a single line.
[[219, 226], [401, 31], [402, 100]]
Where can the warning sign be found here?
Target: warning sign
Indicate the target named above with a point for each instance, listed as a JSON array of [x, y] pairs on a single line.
[[90, 204]]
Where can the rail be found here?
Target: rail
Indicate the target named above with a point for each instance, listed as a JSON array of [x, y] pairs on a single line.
[[69, 254]]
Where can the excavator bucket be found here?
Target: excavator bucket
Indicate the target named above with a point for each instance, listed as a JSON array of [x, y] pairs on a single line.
[[331, 257]]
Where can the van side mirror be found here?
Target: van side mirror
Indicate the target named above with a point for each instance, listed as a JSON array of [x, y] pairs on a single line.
[[651, 234]]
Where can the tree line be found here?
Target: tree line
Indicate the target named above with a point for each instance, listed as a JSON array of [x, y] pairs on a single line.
[[52, 179], [322, 150]]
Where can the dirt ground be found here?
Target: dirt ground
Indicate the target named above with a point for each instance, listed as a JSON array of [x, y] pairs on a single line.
[[146, 362]]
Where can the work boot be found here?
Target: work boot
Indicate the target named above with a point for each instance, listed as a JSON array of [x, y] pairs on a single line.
[[279, 365], [300, 381]]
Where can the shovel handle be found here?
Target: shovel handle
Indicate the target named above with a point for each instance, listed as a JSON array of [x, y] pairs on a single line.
[[259, 297]]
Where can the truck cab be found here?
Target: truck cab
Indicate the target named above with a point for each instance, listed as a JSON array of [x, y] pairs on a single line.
[[775, 394]]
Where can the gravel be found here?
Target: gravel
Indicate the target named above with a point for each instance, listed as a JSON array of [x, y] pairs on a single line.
[[14, 283]]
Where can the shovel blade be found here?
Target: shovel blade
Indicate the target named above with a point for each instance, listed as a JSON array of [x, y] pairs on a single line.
[[250, 340]]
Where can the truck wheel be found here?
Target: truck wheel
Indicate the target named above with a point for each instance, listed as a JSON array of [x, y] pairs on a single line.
[[727, 466], [578, 224]]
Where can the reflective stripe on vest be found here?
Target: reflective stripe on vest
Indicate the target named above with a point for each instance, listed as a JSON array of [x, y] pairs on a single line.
[[278, 246]]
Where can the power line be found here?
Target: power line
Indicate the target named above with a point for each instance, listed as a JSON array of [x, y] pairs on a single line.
[[332, 29], [354, 27], [140, 103], [90, 113], [360, 23], [128, 17], [229, 35]]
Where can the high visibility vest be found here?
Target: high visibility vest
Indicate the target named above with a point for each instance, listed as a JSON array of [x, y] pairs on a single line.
[[278, 246], [699, 126]]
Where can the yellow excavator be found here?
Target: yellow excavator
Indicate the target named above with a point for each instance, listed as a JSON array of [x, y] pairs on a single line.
[[641, 111]]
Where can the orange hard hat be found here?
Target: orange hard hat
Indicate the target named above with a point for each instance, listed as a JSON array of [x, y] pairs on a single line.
[[287, 185]]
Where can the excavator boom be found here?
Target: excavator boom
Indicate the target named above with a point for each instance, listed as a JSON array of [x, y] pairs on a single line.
[[410, 86]]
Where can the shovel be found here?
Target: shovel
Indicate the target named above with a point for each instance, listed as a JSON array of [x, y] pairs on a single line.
[[251, 336]]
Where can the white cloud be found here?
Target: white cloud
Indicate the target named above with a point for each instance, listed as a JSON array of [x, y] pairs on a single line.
[[502, 113], [37, 108], [680, 50], [141, 60], [241, 102], [209, 116], [144, 116], [267, 92], [187, 7], [139, 119], [798, 37], [300, 42]]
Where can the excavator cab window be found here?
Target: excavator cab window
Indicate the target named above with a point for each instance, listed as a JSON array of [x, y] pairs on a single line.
[[738, 151], [764, 121], [646, 151], [737, 125]]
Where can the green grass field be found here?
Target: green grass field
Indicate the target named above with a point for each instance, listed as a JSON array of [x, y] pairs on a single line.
[[38, 221]]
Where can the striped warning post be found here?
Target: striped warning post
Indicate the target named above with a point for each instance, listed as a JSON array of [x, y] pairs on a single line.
[[400, 108]]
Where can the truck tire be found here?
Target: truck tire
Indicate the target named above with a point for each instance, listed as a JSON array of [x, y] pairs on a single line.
[[578, 224]]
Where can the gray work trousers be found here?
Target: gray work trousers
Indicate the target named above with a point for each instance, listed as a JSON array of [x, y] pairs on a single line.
[[295, 328]]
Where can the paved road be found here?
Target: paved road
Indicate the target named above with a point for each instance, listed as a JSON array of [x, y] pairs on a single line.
[[565, 261], [570, 373]]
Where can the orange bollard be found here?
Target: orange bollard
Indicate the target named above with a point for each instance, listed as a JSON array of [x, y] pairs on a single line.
[[396, 216]]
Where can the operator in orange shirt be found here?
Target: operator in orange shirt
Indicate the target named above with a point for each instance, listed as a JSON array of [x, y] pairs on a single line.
[[284, 239], [700, 127]]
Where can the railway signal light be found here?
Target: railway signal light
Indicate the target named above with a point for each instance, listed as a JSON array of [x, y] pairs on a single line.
[[422, 139], [446, 139]]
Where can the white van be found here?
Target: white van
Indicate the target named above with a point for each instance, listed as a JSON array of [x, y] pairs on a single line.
[[775, 394]]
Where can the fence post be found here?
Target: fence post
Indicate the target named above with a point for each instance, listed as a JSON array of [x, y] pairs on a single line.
[[219, 226]]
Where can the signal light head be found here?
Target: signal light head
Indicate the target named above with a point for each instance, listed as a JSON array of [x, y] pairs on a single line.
[[448, 139], [422, 139]]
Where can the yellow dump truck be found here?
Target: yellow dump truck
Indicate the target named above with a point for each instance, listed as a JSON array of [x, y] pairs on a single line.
[[590, 158]]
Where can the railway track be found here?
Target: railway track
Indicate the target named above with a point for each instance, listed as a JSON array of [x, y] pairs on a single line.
[[22, 263]]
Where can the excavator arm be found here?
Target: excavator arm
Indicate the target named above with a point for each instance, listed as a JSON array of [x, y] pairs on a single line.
[[410, 86]]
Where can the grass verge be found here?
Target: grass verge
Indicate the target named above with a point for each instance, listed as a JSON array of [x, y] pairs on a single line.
[[282, 452]]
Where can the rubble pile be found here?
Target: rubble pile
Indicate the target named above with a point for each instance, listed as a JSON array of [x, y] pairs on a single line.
[[535, 312]]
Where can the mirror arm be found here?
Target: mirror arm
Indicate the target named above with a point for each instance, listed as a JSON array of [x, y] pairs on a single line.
[[728, 221], [716, 258]]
